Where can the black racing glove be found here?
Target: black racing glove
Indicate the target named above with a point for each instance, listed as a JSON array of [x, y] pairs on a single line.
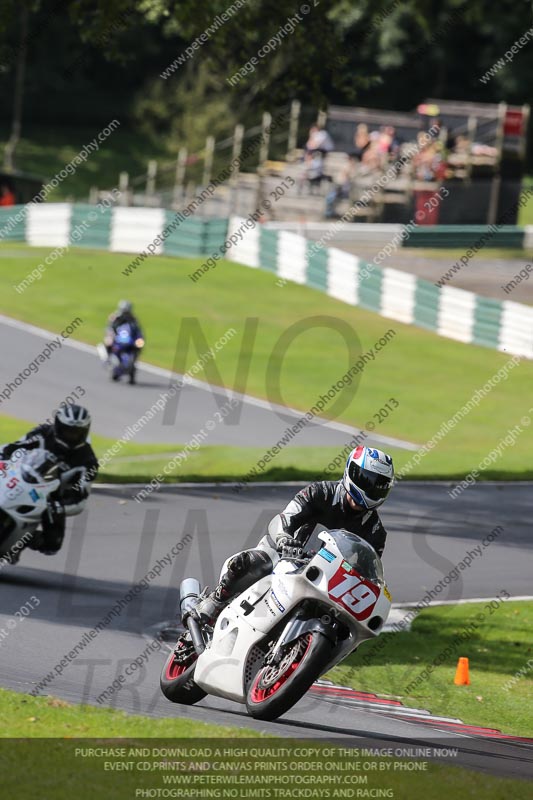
[[289, 547]]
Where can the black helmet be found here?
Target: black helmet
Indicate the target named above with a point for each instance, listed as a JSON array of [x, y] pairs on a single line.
[[71, 426]]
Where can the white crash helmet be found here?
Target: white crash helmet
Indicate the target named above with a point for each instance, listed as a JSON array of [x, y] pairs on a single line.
[[368, 476]]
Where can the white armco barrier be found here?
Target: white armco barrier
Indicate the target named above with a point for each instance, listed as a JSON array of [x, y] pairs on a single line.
[[528, 237], [448, 311], [398, 295], [343, 276], [292, 258], [244, 247], [516, 329], [48, 224], [456, 314], [133, 229], [451, 312]]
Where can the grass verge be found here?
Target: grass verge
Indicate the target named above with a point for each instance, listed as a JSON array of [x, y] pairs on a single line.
[[59, 769], [140, 463], [497, 649], [26, 716], [429, 376]]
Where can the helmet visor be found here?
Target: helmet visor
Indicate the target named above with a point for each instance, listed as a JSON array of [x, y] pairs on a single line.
[[375, 486], [72, 435]]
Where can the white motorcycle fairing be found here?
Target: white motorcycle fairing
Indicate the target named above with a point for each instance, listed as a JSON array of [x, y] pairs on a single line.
[[22, 504], [241, 633]]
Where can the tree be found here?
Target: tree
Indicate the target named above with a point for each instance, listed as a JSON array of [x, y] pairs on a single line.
[[18, 99], [381, 53]]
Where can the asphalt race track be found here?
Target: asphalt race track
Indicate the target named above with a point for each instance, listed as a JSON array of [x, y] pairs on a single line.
[[117, 541], [114, 407]]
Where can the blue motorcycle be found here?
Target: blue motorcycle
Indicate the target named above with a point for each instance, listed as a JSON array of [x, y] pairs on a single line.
[[127, 344]]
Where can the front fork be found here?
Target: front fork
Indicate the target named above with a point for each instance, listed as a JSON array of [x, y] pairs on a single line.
[[296, 627]]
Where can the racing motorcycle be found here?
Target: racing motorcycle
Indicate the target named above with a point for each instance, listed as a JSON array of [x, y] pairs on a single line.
[[272, 642], [125, 349], [28, 481]]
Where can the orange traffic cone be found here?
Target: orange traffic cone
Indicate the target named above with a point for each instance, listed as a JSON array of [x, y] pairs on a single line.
[[461, 673]]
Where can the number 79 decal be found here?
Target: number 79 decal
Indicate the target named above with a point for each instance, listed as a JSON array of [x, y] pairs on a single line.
[[355, 594]]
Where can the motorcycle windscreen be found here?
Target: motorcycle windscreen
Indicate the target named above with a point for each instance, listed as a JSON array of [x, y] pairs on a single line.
[[360, 555], [40, 466]]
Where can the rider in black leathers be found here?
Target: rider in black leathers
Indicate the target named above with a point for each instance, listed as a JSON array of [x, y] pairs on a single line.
[[349, 503], [122, 316], [327, 503], [66, 438]]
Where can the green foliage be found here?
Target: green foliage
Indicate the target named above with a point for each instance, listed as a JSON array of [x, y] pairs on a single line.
[[386, 54], [186, 111]]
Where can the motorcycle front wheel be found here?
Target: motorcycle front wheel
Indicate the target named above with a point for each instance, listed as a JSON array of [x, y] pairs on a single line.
[[277, 688], [177, 680]]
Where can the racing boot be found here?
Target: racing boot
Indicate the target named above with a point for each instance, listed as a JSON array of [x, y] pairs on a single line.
[[37, 542], [244, 569], [210, 605]]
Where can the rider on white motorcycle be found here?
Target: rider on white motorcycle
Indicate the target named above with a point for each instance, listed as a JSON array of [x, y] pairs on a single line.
[[349, 503], [67, 439]]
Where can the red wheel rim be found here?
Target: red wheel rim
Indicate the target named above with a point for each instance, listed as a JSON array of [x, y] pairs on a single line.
[[259, 694], [175, 668]]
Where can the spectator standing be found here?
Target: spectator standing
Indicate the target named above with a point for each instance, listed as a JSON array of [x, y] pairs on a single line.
[[319, 140], [343, 188], [361, 141], [7, 196]]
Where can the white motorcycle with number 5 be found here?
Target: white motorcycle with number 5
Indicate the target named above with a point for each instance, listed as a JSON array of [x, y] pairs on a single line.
[[272, 642], [27, 482]]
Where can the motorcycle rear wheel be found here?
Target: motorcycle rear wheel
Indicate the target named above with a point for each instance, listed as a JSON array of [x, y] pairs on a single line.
[[275, 690], [177, 681]]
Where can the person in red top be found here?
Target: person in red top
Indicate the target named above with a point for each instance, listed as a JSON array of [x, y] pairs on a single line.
[[7, 198]]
